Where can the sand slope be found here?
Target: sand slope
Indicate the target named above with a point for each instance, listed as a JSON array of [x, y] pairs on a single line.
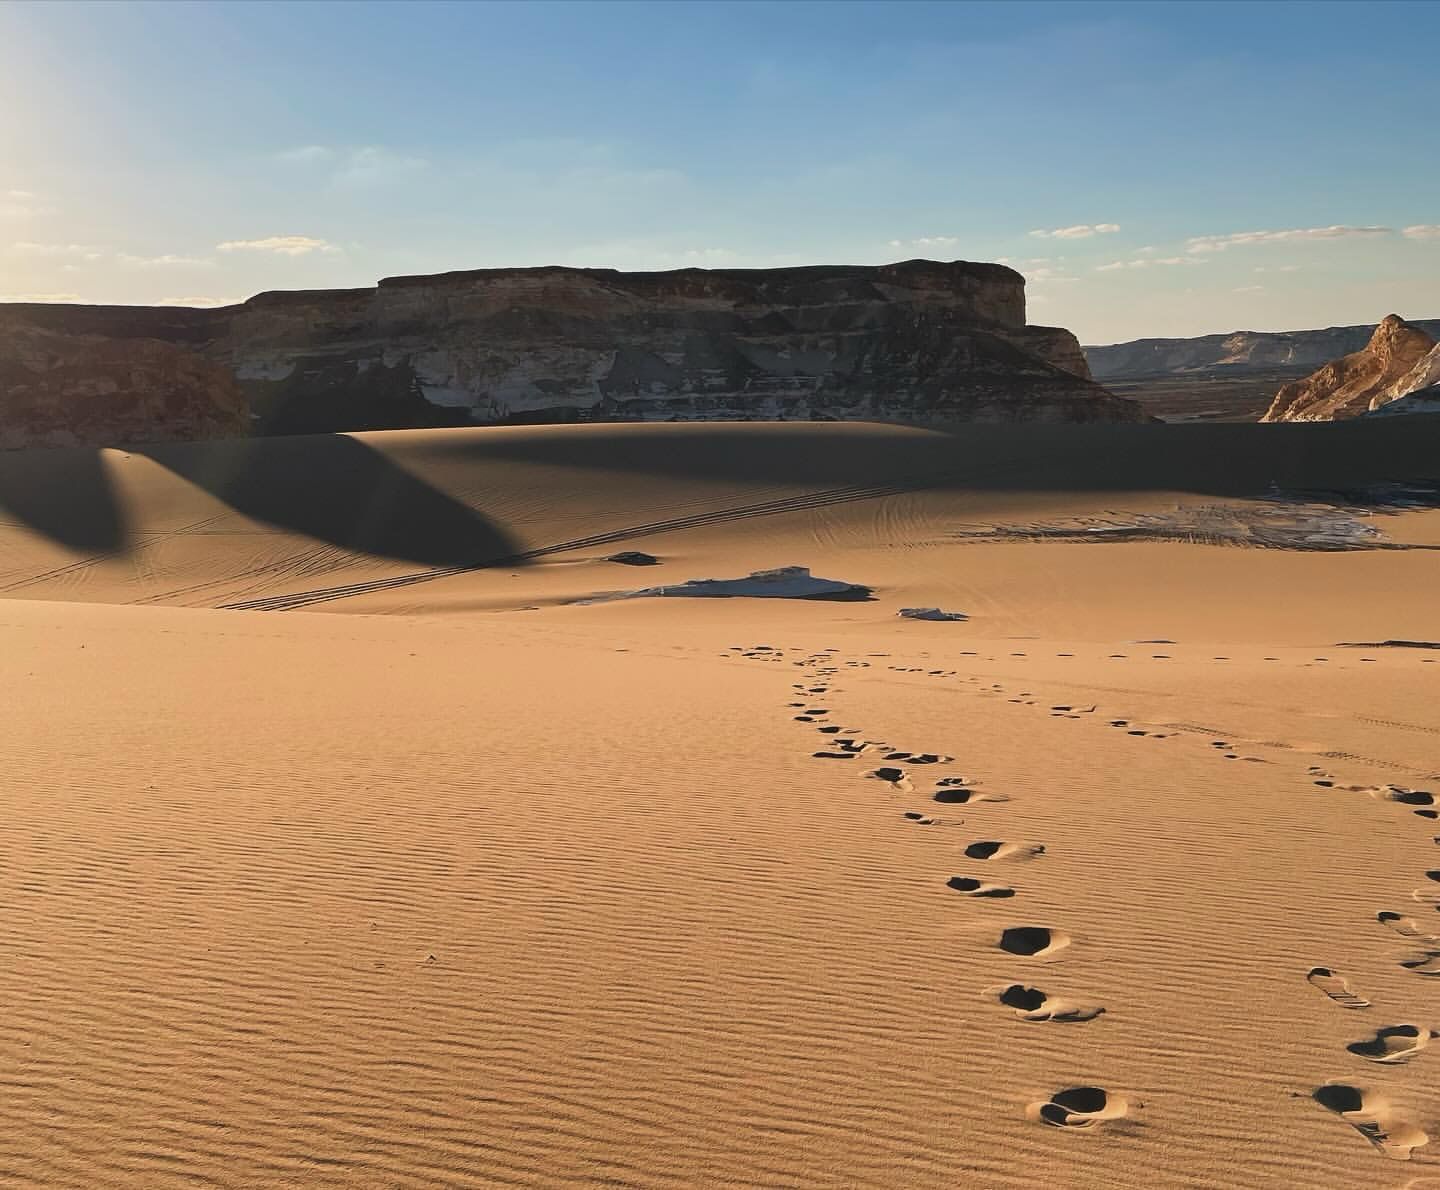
[[463, 894]]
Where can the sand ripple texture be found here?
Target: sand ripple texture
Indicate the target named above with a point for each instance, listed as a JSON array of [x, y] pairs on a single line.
[[499, 890], [407, 905]]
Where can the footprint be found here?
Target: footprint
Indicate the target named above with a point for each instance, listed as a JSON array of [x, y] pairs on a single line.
[[1031, 1004], [1428, 964], [1033, 942], [993, 849], [835, 755], [1407, 927], [1337, 987], [1372, 1116], [920, 757], [1393, 1044], [1406, 797], [1080, 1107], [978, 888], [918, 818], [893, 777], [960, 795]]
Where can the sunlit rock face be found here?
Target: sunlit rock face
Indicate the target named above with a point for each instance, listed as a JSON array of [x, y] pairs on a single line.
[[1422, 382], [916, 341], [1349, 386]]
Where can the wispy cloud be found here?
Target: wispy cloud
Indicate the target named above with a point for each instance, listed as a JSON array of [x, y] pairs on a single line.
[[711, 255], [1081, 231], [201, 302], [1336, 231], [279, 245], [40, 297], [90, 253], [72, 251], [1422, 231], [927, 242], [19, 204], [1248, 289], [653, 254], [365, 165], [1045, 275], [1279, 268], [167, 261], [306, 155], [1145, 262], [373, 165]]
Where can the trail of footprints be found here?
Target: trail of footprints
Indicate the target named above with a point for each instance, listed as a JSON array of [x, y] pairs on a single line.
[[900, 771], [1365, 1108]]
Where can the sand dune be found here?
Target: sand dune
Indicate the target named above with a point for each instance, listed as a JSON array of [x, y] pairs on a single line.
[[1130, 876]]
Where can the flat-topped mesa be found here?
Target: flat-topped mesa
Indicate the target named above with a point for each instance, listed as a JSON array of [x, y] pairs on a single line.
[[1351, 386], [918, 340]]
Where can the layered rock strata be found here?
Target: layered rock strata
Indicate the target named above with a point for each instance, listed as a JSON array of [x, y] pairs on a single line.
[[914, 341]]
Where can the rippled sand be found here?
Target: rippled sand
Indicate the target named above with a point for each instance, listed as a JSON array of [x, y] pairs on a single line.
[[417, 874]]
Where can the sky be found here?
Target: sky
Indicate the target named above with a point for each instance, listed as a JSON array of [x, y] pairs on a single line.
[[1153, 169]]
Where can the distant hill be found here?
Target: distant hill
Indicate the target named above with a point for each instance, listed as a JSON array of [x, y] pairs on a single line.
[[1234, 354]]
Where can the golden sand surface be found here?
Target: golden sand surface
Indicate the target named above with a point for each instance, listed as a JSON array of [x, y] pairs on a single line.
[[345, 844]]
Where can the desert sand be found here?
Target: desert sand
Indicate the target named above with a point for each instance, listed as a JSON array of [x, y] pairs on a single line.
[[350, 840]]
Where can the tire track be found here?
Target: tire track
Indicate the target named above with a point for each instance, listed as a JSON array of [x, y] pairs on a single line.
[[743, 512]]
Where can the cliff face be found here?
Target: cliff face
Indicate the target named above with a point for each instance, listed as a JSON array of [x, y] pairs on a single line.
[[1346, 387], [918, 340], [65, 389], [1233, 354], [913, 340]]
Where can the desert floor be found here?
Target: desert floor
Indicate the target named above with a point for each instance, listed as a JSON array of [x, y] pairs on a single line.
[[344, 845]]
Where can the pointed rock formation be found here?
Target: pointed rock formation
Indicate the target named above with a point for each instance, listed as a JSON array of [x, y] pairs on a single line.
[[1425, 374], [1346, 387]]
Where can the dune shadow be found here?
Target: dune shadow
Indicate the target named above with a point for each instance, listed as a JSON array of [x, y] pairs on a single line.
[[341, 491], [67, 496], [332, 488], [1338, 458]]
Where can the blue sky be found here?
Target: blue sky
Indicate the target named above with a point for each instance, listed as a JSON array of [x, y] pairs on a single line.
[[207, 151]]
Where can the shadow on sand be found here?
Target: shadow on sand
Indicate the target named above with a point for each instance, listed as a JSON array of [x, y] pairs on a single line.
[[333, 488]]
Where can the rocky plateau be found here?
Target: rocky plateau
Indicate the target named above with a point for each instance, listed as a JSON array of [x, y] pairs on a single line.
[[919, 341]]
